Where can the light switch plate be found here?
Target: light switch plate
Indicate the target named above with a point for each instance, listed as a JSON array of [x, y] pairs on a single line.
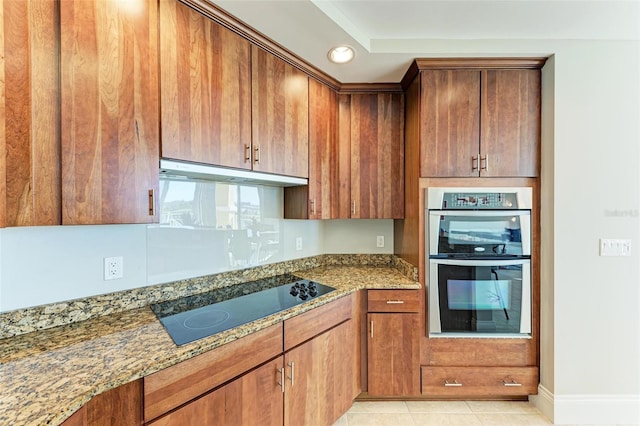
[[615, 247]]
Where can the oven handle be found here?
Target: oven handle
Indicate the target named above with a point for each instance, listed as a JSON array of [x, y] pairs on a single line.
[[479, 262], [480, 213]]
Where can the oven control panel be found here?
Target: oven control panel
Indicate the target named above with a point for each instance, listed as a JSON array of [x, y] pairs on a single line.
[[479, 200]]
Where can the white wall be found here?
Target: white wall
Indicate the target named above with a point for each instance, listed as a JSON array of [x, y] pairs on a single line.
[[596, 176]]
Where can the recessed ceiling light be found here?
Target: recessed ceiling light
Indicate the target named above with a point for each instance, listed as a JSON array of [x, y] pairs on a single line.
[[341, 54]]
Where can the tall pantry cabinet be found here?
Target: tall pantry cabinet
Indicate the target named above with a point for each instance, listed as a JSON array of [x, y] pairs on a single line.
[[471, 123]]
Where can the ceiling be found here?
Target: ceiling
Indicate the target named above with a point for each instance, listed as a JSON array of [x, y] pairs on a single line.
[[389, 34]]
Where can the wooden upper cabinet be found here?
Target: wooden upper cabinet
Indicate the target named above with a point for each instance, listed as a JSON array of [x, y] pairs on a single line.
[[480, 122], [29, 114], [109, 110], [450, 127], [510, 130], [205, 81], [377, 155], [318, 199], [280, 116]]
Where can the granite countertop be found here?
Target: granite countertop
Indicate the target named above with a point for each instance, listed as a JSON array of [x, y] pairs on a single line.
[[48, 375]]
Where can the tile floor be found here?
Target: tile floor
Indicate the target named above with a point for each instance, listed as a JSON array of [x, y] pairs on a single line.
[[442, 413]]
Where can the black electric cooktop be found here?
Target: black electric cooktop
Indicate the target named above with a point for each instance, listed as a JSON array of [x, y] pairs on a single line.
[[201, 315]]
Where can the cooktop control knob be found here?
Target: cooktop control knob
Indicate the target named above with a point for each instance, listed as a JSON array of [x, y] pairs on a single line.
[[303, 294], [294, 290]]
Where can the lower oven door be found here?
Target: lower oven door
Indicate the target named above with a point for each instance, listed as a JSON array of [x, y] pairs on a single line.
[[479, 298]]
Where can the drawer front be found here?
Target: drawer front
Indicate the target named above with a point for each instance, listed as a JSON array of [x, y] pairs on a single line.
[[316, 321], [479, 381], [393, 300], [173, 386]]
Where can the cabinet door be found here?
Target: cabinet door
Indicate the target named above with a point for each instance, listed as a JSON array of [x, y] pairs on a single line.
[[254, 399], [29, 114], [510, 133], [318, 199], [393, 354], [450, 123], [109, 126], [280, 121], [377, 156], [205, 81], [319, 377]]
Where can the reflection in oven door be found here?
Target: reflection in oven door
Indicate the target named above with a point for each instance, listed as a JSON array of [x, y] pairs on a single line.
[[479, 297]]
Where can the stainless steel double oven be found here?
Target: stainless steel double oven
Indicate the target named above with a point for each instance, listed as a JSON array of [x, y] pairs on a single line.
[[479, 262]]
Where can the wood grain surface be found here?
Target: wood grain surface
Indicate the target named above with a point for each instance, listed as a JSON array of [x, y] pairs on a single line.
[[280, 116], [109, 92], [205, 81], [30, 114]]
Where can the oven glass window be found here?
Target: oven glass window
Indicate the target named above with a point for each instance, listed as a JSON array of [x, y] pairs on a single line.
[[480, 299], [498, 235]]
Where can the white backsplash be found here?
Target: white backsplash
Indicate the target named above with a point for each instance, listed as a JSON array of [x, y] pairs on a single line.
[[226, 228]]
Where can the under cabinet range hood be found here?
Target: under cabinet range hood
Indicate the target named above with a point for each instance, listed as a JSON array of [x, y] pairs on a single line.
[[186, 169]]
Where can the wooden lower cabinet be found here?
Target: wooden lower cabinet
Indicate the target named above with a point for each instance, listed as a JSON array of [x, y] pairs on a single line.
[[483, 382], [252, 399], [393, 354], [319, 378], [393, 345], [118, 406]]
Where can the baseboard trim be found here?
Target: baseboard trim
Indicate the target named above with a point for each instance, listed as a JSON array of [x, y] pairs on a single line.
[[588, 409]]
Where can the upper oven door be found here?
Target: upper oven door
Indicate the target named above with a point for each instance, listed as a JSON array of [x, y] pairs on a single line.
[[489, 234]]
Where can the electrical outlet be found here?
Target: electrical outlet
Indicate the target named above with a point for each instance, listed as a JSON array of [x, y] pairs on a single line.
[[380, 241], [299, 243], [113, 268]]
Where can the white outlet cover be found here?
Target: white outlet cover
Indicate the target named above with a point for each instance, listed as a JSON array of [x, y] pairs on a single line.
[[113, 268]]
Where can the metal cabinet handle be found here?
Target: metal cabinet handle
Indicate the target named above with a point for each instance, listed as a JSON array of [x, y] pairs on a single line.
[[247, 153], [486, 163], [474, 163], [353, 207], [313, 206], [281, 382], [152, 203], [372, 329], [453, 383], [511, 383], [395, 302], [256, 157], [291, 377]]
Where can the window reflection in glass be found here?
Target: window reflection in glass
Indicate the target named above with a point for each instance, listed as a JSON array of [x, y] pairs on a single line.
[[221, 225]]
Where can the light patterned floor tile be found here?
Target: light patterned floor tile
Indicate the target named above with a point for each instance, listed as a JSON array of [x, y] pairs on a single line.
[[380, 419], [520, 407], [342, 421], [379, 407], [458, 407], [512, 419], [445, 419]]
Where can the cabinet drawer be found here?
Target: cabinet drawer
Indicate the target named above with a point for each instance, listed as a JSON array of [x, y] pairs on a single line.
[[393, 301], [479, 381], [305, 326], [173, 386]]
